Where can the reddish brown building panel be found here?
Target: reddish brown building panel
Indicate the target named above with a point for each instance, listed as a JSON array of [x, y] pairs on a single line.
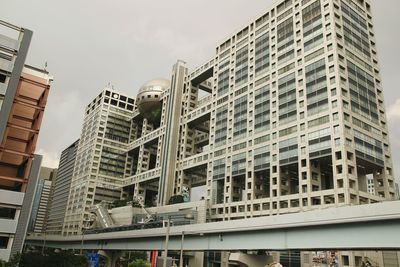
[[21, 134]]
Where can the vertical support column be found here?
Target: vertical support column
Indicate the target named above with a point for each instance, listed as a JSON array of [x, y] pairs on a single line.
[[163, 123], [170, 146], [197, 260], [25, 38], [24, 216], [112, 257]]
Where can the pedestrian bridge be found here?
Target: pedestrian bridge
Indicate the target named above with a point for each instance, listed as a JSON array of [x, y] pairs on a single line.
[[373, 226]]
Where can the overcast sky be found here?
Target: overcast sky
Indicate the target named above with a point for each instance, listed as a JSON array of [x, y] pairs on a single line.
[[90, 43]]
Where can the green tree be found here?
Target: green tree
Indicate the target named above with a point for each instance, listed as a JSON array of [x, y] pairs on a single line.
[[119, 203], [176, 199], [52, 259], [136, 255], [139, 263]]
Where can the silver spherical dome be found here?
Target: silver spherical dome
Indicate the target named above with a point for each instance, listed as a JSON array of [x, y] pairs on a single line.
[[149, 99]]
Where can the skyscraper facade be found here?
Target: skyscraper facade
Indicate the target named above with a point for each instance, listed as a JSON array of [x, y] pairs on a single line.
[[288, 116], [42, 200], [101, 163], [23, 95], [60, 192]]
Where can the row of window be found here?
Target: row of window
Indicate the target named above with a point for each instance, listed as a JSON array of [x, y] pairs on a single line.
[[316, 85], [313, 36], [287, 99], [240, 117], [262, 54], [312, 26], [363, 94], [355, 30], [242, 68], [262, 109]]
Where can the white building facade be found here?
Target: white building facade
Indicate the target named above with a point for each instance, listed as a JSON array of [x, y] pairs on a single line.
[[60, 191], [288, 116], [101, 162]]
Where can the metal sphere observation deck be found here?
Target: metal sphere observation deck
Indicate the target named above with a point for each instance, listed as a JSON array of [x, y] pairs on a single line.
[[149, 99]]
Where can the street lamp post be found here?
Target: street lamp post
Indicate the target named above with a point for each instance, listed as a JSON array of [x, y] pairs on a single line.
[[129, 259], [188, 216], [166, 242], [44, 243], [181, 256], [182, 242], [83, 236]]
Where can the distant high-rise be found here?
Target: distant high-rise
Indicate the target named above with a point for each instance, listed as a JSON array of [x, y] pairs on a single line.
[[41, 202], [60, 192], [101, 162], [23, 95]]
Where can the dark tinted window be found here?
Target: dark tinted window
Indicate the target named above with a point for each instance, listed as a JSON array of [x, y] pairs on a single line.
[[2, 78], [7, 213], [3, 242]]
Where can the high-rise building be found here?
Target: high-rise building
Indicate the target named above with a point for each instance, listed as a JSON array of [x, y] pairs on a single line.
[[42, 200], [288, 116], [60, 192], [101, 162], [23, 95]]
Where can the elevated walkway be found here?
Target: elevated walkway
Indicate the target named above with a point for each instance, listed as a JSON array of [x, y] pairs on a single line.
[[373, 226], [146, 138], [103, 218], [143, 177]]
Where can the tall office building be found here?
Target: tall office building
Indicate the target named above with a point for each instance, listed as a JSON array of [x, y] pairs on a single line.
[[288, 116], [42, 200], [60, 192], [101, 163], [23, 95]]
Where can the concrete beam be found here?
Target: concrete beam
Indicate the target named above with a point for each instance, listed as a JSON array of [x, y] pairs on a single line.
[[372, 226]]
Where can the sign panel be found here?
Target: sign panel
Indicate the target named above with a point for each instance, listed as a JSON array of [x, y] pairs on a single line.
[[93, 258]]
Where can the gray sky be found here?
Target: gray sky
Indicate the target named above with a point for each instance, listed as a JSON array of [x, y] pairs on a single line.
[[90, 43]]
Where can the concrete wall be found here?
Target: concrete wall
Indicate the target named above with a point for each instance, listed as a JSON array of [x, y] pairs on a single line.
[[123, 215]]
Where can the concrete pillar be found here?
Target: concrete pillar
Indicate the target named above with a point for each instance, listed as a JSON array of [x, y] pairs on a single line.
[[225, 259], [112, 256], [197, 260]]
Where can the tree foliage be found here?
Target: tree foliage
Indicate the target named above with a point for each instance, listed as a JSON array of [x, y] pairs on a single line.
[[52, 259], [139, 263], [119, 203], [176, 199], [136, 255]]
